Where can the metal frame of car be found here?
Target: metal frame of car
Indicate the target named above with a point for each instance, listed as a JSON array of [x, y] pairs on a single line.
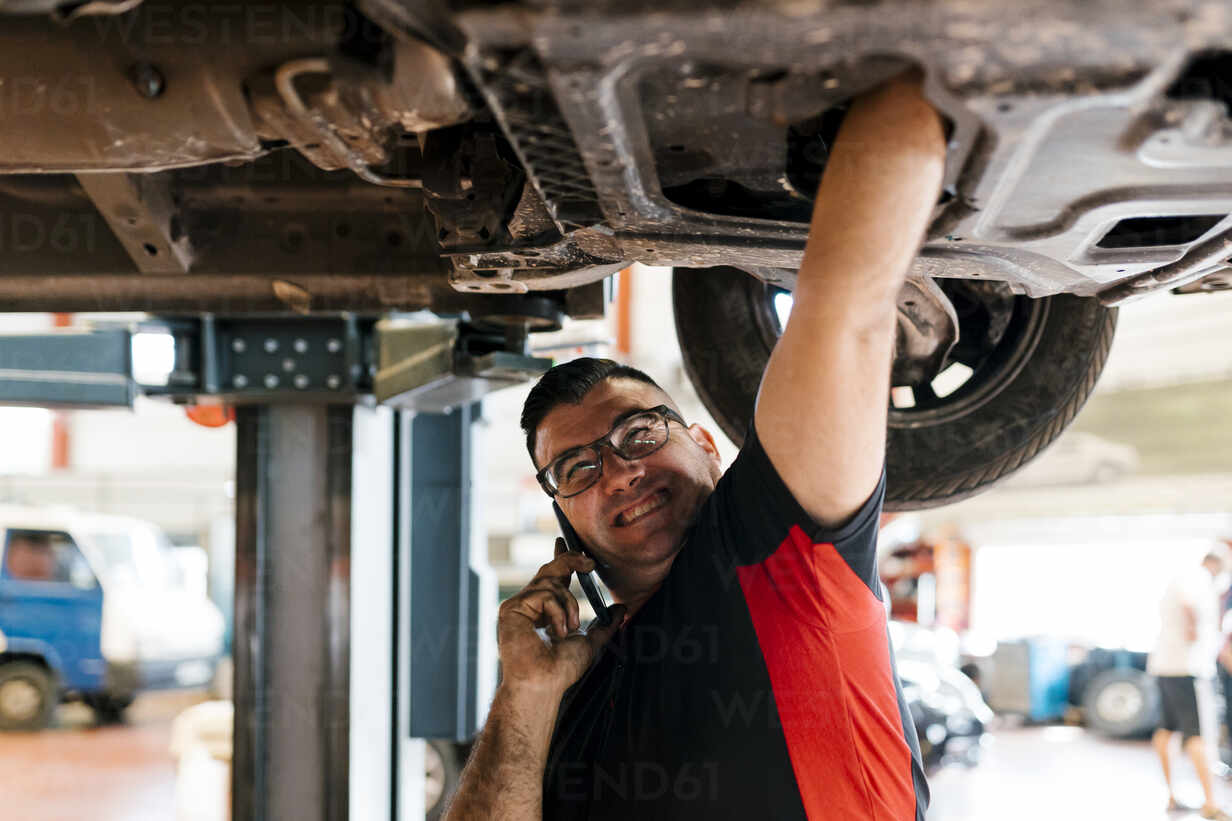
[[1065, 119]]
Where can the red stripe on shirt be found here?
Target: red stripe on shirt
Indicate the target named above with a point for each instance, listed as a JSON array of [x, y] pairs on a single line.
[[823, 635]]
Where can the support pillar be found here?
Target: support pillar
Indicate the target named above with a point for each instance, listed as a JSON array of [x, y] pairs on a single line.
[[292, 613], [452, 590]]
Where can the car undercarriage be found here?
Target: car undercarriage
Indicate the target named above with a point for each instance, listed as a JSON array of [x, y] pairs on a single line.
[[500, 160]]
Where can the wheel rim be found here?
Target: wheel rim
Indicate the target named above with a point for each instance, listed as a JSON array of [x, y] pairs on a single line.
[[998, 332], [20, 699], [434, 777], [1119, 702]]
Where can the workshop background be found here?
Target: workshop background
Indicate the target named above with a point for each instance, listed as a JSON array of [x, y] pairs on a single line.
[[1021, 616]]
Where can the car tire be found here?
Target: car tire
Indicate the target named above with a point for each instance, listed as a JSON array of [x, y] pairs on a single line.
[[28, 697], [442, 771], [1036, 377], [1121, 703], [108, 708]]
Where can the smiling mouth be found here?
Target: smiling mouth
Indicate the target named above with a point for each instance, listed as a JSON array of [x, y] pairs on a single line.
[[643, 509]]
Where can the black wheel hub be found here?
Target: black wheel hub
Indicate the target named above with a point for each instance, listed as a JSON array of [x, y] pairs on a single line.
[[997, 332]]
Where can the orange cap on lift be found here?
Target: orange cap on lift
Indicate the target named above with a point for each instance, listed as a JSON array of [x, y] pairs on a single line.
[[211, 416]]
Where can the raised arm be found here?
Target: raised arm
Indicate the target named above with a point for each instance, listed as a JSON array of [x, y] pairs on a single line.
[[821, 411]]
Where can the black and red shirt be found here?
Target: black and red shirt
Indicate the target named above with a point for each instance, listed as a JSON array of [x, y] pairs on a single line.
[[757, 682]]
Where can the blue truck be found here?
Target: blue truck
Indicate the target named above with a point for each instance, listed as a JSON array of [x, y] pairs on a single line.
[[94, 608]]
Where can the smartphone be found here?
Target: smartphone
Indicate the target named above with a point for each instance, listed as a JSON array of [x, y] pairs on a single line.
[[588, 581]]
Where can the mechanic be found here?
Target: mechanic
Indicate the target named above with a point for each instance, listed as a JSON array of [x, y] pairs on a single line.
[[747, 671], [1183, 663]]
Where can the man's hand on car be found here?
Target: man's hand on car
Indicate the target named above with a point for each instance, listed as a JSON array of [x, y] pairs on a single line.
[[550, 666]]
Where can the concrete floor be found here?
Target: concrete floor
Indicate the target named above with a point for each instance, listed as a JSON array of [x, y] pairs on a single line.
[[1055, 773], [81, 772]]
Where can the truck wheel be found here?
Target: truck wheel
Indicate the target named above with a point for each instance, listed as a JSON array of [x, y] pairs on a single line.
[[108, 708], [441, 774], [27, 697], [1121, 703], [1019, 373]]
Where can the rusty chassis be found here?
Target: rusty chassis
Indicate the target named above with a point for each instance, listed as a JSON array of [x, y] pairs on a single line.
[[175, 156]]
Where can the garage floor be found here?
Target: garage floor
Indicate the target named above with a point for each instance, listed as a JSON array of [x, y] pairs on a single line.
[[1044, 773], [79, 772]]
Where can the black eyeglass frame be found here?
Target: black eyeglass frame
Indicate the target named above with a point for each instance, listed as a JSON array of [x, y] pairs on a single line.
[[605, 440]]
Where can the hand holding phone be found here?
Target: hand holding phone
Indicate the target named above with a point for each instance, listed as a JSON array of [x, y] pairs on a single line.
[[590, 585]]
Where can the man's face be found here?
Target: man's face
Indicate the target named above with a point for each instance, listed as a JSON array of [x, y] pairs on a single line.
[[666, 488]]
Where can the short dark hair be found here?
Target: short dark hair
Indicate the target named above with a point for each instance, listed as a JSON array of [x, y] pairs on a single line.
[[570, 382]]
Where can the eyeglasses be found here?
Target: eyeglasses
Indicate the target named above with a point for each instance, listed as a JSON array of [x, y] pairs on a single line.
[[634, 436]]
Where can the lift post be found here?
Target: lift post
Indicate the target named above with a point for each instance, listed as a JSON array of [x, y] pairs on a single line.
[[292, 613], [449, 593], [328, 483]]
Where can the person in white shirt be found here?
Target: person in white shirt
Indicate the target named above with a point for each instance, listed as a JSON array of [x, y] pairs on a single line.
[[1225, 664], [1183, 663]]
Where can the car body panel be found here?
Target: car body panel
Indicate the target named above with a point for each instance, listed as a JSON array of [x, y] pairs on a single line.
[[57, 623]]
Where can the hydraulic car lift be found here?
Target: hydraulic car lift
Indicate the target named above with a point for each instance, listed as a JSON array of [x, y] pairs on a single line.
[[355, 463]]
